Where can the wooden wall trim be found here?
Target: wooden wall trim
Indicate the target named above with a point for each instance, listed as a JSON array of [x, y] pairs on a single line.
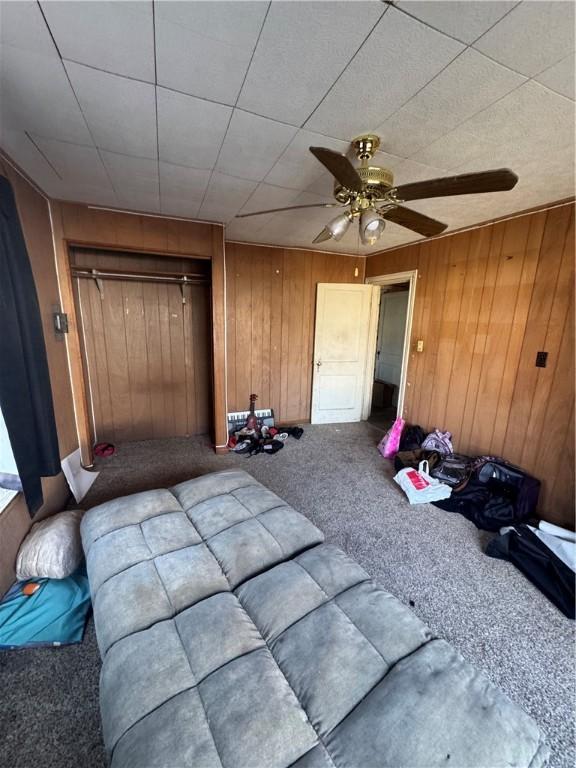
[[219, 356], [73, 341], [471, 227]]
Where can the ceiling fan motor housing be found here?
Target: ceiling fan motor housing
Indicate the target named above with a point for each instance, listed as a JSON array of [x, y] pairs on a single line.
[[376, 180]]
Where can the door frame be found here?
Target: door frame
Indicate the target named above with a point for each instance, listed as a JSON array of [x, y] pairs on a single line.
[[411, 276]]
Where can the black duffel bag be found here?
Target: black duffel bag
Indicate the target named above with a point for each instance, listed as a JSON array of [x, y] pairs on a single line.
[[497, 494]]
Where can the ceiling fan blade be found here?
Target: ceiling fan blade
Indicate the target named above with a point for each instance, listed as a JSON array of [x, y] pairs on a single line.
[[415, 221], [499, 180], [340, 167], [322, 236], [289, 208]]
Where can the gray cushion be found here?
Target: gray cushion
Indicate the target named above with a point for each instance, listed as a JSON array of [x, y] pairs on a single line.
[[232, 637]]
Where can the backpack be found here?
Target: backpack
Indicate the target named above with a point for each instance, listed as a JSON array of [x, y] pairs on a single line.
[[438, 441], [412, 438]]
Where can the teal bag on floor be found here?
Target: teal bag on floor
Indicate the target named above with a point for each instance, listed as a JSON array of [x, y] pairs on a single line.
[[55, 614]]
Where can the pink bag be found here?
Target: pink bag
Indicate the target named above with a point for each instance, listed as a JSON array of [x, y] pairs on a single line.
[[390, 443]]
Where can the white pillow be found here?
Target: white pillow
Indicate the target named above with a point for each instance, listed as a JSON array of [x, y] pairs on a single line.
[[52, 549]]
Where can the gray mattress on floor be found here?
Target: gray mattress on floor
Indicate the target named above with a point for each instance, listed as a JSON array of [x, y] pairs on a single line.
[[231, 636]]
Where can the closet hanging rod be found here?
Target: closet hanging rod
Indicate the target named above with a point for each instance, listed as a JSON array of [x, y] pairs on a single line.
[[152, 277]]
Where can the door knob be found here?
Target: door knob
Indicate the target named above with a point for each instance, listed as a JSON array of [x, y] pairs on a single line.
[[318, 364]]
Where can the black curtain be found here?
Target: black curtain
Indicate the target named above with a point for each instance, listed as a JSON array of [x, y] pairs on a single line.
[[25, 393]]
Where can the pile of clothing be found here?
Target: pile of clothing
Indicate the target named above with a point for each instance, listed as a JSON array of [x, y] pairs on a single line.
[[496, 496], [263, 439], [546, 555], [488, 490]]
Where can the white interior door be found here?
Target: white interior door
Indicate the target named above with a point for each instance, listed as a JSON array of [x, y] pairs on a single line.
[[343, 317], [391, 331]]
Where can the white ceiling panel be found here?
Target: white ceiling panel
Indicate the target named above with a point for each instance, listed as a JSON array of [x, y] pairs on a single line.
[[405, 132], [560, 77], [470, 83], [225, 197], [22, 26], [190, 130], [116, 36], [182, 189], [297, 167], [264, 197], [532, 37], [121, 113], [531, 113], [35, 96], [453, 150], [252, 145], [75, 164], [204, 48], [135, 180], [31, 160], [465, 20], [410, 170], [269, 196], [401, 70], [400, 57], [303, 48]]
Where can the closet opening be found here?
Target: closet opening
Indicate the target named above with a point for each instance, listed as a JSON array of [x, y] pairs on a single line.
[[145, 331]]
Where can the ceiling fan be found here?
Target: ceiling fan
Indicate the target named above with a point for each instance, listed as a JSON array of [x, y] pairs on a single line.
[[369, 195]]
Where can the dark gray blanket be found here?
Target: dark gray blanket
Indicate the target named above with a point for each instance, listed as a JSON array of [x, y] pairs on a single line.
[[231, 636]]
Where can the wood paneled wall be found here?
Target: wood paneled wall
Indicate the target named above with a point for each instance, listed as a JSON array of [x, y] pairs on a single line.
[[271, 300], [487, 301], [147, 353], [34, 217]]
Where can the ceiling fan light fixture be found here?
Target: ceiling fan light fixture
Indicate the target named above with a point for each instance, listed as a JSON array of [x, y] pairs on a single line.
[[372, 226], [339, 226]]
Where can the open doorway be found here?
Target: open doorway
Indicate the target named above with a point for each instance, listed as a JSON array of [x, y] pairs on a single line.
[[392, 343]]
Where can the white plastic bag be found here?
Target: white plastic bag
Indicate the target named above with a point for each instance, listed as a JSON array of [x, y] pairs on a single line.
[[52, 549], [419, 486]]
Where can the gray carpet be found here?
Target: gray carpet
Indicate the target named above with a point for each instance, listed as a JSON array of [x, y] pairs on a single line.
[[428, 558]]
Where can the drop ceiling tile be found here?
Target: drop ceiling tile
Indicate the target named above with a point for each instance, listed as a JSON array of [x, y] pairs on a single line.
[[410, 170], [323, 186], [303, 48], [252, 145], [23, 151], [532, 37], [469, 84], [135, 181], [399, 57], [297, 167], [204, 48], [116, 36], [404, 133], [131, 174], [35, 96], [121, 113], [531, 113], [465, 20], [560, 77], [180, 207], [225, 197], [22, 26], [269, 196], [75, 164], [182, 189], [264, 197], [454, 149], [190, 130]]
